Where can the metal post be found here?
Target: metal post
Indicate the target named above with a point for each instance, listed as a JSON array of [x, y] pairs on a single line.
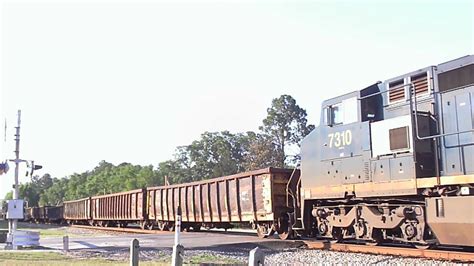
[[178, 250], [12, 224], [16, 191], [134, 252], [178, 226], [256, 257], [66, 244]]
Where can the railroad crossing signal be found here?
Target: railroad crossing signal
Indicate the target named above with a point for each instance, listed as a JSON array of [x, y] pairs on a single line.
[[34, 167], [4, 168]]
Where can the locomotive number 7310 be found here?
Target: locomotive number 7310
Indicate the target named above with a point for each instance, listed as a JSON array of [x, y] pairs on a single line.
[[340, 139]]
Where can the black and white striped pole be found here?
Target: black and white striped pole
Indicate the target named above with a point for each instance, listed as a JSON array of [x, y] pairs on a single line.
[[178, 249]]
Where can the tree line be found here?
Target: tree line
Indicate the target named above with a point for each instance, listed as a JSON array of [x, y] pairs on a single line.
[[214, 154]]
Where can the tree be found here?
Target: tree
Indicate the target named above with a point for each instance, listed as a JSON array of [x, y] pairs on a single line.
[[218, 154], [286, 124], [262, 153]]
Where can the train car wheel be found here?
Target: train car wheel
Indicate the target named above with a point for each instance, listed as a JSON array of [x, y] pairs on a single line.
[[149, 226], [161, 226], [284, 227], [265, 230], [285, 234]]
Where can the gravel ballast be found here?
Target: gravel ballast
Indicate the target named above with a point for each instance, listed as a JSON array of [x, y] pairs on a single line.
[[273, 257]]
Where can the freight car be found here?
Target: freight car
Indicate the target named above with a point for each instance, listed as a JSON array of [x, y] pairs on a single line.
[[78, 211], [258, 198], [394, 161], [44, 214], [119, 209]]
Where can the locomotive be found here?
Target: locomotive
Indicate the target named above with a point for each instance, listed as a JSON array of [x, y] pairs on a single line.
[[393, 162]]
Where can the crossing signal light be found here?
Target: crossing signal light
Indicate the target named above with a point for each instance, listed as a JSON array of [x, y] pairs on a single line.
[[34, 167], [4, 168]]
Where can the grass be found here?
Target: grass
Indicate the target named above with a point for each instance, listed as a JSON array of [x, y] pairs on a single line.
[[211, 259], [54, 258], [27, 258], [44, 232]]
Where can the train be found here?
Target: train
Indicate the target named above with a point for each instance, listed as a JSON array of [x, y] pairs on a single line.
[[44, 214], [392, 162]]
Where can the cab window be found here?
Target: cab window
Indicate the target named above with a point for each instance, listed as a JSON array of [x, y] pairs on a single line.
[[345, 112], [334, 115]]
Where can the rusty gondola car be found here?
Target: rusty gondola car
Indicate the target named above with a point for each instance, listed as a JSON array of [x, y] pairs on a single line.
[[44, 214], [119, 209], [258, 198], [53, 214], [78, 211]]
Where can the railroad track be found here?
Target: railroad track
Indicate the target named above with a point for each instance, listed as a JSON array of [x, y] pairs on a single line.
[[120, 229], [449, 255], [461, 256]]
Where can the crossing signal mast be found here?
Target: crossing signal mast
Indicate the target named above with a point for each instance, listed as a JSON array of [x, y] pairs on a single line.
[[16, 206]]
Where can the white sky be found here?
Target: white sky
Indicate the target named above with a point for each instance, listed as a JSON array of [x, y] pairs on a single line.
[[128, 82]]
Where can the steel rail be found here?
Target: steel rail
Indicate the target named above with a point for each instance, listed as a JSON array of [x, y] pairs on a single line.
[[436, 254], [120, 229], [449, 255]]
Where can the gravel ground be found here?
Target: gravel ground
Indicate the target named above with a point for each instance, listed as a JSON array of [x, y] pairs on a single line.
[[275, 253], [321, 257], [295, 256]]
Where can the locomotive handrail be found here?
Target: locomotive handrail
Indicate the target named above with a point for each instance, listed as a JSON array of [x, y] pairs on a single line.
[[288, 190], [414, 111]]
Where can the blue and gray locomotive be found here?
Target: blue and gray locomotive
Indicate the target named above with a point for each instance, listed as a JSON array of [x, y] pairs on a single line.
[[394, 162]]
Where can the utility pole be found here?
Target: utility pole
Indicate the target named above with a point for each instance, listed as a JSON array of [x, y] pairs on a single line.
[[16, 191], [15, 206]]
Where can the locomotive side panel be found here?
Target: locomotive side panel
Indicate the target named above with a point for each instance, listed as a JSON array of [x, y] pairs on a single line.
[[451, 219]]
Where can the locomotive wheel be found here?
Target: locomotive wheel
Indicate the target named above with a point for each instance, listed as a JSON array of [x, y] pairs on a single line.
[[337, 236], [422, 246], [372, 243], [377, 238]]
